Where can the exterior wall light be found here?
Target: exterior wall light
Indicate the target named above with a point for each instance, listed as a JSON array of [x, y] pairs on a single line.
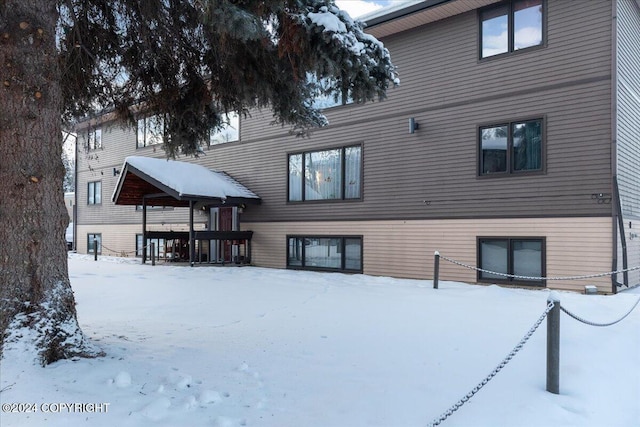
[[413, 125]]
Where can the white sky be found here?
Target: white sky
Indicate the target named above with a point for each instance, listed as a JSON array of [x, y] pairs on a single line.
[[357, 8]]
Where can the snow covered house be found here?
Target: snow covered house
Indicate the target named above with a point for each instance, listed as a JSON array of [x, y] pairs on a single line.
[[512, 143]]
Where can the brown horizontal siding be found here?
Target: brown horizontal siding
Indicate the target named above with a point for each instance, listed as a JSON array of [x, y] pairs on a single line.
[[406, 248], [439, 162], [438, 63]]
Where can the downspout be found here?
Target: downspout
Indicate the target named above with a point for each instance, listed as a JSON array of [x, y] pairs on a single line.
[[623, 238], [614, 150], [74, 245]]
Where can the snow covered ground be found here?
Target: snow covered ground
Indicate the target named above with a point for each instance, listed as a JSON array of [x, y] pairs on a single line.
[[259, 347]]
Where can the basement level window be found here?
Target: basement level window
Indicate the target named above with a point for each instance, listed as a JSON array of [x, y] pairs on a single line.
[[333, 253], [523, 257]]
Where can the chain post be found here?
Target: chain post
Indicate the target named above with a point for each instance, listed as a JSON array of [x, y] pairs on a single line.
[[553, 345], [153, 253], [436, 269], [95, 249]]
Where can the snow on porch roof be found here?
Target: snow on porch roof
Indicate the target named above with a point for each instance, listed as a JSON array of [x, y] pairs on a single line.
[[174, 183]]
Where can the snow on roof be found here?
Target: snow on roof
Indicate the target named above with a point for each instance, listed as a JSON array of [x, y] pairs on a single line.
[[188, 179]]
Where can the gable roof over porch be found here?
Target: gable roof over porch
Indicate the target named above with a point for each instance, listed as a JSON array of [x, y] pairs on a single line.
[[160, 182]]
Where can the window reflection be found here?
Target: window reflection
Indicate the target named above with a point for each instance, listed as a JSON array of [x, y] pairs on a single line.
[[511, 148], [494, 149], [295, 177], [527, 21], [326, 175], [229, 132], [511, 26], [495, 31]]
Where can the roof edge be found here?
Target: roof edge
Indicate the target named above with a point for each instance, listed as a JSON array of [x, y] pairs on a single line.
[[380, 17]]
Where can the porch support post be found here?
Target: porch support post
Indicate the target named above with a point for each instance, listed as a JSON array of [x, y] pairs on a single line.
[[144, 230], [192, 240]]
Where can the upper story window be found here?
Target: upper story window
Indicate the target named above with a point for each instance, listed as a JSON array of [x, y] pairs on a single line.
[[230, 131], [511, 148], [94, 193], [95, 138], [326, 96], [150, 130], [334, 174], [511, 26]]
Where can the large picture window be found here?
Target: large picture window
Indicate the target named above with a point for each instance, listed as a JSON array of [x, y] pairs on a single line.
[[333, 174], [150, 131], [94, 193], [511, 147], [338, 253], [516, 256], [511, 26]]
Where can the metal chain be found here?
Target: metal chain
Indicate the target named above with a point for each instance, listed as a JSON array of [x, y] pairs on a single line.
[[579, 319], [493, 373], [515, 276], [123, 252]]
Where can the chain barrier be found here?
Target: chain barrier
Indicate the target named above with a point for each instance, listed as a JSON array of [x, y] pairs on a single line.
[[123, 252], [587, 322], [515, 276], [493, 373]]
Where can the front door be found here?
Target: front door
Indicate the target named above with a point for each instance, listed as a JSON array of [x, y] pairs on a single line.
[[226, 224]]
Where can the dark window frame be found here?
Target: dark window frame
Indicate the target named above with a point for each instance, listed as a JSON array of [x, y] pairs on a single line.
[[511, 280], [343, 238], [509, 4], [342, 198], [147, 246], [213, 132], [510, 172], [94, 192], [93, 142], [90, 238], [146, 143]]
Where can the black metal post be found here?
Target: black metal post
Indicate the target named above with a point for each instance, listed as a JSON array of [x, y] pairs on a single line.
[[153, 253], [436, 269], [192, 240], [144, 230], [95, 249], [553, 348]]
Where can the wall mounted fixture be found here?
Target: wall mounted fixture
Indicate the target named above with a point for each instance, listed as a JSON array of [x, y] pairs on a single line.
[[116, 172], [413, 125]]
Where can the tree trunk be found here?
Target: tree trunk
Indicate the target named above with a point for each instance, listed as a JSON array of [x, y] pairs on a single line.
[[37, 306]]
